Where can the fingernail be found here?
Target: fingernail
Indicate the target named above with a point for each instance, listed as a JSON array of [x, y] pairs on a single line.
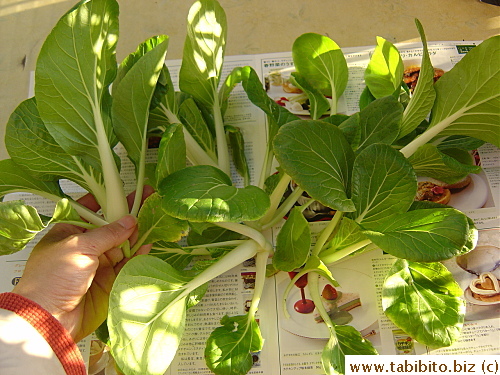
[[127, 221]]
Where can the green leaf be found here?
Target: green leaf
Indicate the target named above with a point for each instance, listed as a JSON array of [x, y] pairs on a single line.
[[348, 234], [428, 235], [147, 312], [365, 98], [385, 69], [468, 99], [320, 59], [132, 99], [378, 122], [276, 114], [19, 224], [318, 102], [15, 179], [203, 52], [172, 152], [31, 146], [71, 84], [460, 142], [229, 348], [129, 61], [345, 340], [64, 211], [238, 150], [193, 120], [293, 242], [318, 158], [383, 185], [428, 161], [423, 96], [212, 198], [156, 225], [424, 300], [211, 234]]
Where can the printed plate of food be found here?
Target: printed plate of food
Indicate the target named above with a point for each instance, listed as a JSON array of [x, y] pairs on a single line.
[[352, 303], [468, 194]]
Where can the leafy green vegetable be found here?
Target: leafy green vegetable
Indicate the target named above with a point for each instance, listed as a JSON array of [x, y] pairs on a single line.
[[305, 149], [385, 70], [425, 300], [320, 60], [362, 167], [212, 198], [229, 348], [293, 242]]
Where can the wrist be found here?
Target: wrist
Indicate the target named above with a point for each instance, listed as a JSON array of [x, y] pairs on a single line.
[[36, 297]]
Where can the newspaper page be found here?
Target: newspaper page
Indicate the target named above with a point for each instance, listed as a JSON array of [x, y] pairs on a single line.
[[294, 341]]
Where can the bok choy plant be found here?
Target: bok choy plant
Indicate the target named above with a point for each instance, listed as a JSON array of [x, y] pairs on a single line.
[[364, 166]]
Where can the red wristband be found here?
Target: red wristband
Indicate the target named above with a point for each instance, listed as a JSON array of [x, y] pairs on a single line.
[[51, 330]]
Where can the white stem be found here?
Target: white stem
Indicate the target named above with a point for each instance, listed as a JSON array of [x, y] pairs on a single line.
[[326, 232], [260, 280], [220, 136], [275, 198], [116, 202], [195, 153], [139, 187], [235, 257], [249, 232]]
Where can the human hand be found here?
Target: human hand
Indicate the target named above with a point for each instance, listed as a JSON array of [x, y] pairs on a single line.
[[71, 270]]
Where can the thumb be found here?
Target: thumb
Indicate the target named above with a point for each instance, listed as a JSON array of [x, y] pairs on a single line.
[[100, 240]]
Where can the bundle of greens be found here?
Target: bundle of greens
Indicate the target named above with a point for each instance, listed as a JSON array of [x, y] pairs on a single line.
[[363, 166]]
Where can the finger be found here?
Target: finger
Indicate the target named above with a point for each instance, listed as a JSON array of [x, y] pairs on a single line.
[[111, 257], [88, 200], [99, 240], [144, 249]]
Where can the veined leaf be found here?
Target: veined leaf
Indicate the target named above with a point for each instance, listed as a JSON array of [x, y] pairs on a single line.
[[345, 341], [318, 102], [129, 61], [31, 146], [210, 234], [293, 242], [193, 120], [204, 52], [71, 84], [321, 60], [20, 223], [318, 158], [171, 153], [237, 143], [423, 96], [428, 235], [204, 193], [229, 348], [132, 99], [383, 185], [349, 233], [424, 300], [468, 98], [385, 69], [378, 122], [156, 225], [14, 179], [146, 315], [428, 161]]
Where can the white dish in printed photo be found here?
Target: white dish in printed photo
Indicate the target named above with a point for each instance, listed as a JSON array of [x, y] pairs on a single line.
[[351, 281]]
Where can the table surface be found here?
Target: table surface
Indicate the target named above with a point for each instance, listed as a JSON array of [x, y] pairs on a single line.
[[254, 26]]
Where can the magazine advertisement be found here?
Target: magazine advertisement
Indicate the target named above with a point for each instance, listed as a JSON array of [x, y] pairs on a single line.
[[294, 334]]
